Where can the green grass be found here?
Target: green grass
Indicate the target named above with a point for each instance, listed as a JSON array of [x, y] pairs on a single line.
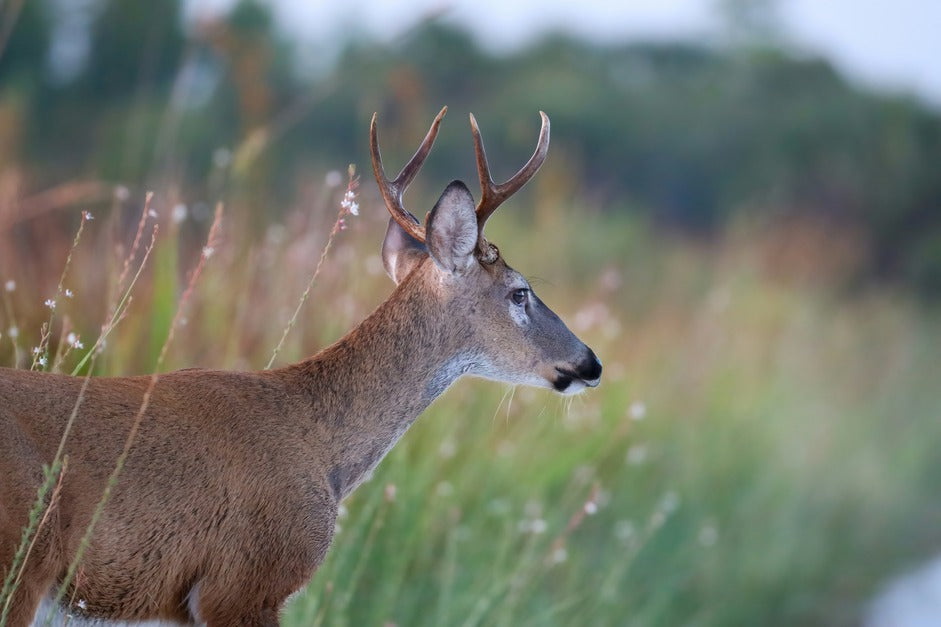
[[785, 465]]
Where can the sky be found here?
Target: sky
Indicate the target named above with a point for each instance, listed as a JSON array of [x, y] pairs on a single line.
[[893, 45]]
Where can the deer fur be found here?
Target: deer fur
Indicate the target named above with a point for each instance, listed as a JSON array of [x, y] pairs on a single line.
[[227, 503]]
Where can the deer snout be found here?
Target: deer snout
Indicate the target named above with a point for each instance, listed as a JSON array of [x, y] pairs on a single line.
[[586, 373], [589, 369]]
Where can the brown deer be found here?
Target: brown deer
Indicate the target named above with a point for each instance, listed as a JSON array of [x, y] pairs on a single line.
[[227, 503]]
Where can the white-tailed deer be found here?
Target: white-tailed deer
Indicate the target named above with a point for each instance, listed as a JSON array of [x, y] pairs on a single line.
[[227, 502]]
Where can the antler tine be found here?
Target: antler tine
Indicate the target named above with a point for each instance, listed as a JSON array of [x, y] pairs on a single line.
[[493, 195], [392, 190]]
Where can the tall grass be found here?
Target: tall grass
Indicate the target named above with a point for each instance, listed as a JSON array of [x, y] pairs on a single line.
[[761, 450]]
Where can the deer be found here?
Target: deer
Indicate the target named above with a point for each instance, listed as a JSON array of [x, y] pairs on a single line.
[[227, 503]]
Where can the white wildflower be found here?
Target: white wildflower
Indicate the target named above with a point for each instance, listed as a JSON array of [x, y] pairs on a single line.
[[624, 530], [82, 605], [69, 293], [636, 455], [637, 410], [13, 332], [559, 555], [333, 178], [87, 215], [669, 502], [42, 361], [207, 251], [35, 350], [708, 534], [51, 304], [9, 285], [179, 212], [74, 341], [591, 508], [349, 202], [447, 448], [151, 213], [221, 157]]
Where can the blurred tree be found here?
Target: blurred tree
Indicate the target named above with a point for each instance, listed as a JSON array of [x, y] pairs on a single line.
[[690, 134], [134, 45]]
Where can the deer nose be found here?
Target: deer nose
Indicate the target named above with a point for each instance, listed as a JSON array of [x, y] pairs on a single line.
[[589, 370]]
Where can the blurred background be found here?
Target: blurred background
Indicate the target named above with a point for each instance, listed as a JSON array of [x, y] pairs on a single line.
[[740, 213]]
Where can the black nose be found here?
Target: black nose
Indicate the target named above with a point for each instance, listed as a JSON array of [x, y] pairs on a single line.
[[590, 367]]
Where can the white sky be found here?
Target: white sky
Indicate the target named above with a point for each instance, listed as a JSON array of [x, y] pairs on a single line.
[[893, 44]]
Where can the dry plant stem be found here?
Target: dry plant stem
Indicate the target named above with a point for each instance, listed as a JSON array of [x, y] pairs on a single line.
[[116, 316], [42, 356], [136, 245], [313, 278], [57, 462], [145, 402], [8, 306], [119, 309], [45, 517]]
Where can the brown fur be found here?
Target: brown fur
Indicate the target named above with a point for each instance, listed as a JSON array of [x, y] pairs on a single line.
[[228, 499], [234, 479]]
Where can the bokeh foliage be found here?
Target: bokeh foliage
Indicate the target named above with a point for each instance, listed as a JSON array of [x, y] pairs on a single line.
[[691, 135], [763, 448]]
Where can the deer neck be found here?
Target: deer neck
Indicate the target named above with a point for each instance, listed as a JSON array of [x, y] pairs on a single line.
[[372, 384]]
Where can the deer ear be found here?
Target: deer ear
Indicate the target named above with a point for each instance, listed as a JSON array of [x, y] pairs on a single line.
[[452, 229], [400, 252]]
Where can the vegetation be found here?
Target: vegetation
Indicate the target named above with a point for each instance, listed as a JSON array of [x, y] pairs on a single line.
[[763, 447]]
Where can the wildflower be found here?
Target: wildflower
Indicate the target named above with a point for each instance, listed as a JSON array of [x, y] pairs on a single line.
[[637, 410], [342, 224], [637, 455], [152, 213], [349, 202], [51, 304], [82, 605], [69, 293], [42, 361], [13, 332], [10, 285], [74, 341], [178, 214], [207, 251], [591, 508], [221, 157], [333, 178], [708, 534], [87, 215], [669, 502], [624, 530], [447, 448], [534, 526], [35, 350]]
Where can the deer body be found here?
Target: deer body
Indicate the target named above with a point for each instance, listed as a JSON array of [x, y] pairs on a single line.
[[227, 502]]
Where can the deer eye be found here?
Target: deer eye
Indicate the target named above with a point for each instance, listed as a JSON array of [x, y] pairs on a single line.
[[519, 296]]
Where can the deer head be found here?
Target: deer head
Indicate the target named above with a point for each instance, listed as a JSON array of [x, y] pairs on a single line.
[[510, 334]]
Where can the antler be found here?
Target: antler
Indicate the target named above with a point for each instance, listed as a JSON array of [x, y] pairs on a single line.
[[392, 190], [493, 195]]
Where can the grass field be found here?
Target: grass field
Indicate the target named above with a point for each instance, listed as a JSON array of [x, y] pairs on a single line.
[[762, 449]]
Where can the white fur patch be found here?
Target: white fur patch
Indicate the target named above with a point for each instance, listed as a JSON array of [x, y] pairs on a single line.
[[62, 617], [518, 315]]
